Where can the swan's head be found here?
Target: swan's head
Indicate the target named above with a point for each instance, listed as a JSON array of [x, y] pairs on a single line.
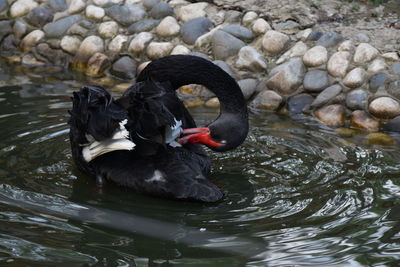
[[226, 133]]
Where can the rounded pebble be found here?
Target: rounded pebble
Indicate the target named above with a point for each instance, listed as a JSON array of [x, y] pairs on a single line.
[[195, 28], [332, 115], [180, 50], [339, 63], [361, 119], [225, 45], [260, 26], [161, 10], [355, 78], [384, 108], [139, 43], [316, 56], [267, 100], [191, 11], [316, 80], [108, 29], [117, 43], [22, 7], [159, 49], [31, 39], [365, 53], [94, 12], [357, 99], [249, 17], [168, 27], [299, 103], [250, 59], [274, 42], [124, 67], [70, 44]]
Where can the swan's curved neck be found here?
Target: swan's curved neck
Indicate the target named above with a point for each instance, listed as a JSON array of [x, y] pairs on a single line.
[[182, 70]]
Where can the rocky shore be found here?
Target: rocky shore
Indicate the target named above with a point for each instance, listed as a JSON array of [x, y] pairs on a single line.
[[283, 64]]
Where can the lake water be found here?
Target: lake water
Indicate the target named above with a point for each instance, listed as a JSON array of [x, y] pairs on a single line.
[[297, 194]]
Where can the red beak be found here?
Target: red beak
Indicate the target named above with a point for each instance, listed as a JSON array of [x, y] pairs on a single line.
[[198, 136]]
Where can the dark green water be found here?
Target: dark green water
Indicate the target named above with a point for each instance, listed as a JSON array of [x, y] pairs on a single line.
[[297, 194]]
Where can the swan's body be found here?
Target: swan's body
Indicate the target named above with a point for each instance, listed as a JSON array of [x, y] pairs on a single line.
[[133, 140]]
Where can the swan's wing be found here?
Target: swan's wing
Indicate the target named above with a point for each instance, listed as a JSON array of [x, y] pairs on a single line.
[[156, 115]]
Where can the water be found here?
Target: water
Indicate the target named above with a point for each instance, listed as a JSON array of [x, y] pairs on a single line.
[[297, 194]]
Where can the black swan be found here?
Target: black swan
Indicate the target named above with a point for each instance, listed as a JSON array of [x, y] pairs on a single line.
[[147, 140]]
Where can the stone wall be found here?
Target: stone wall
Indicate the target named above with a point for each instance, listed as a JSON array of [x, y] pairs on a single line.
[[342, 80]]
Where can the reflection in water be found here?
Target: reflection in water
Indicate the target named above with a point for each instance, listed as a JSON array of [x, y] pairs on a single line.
[[296, 193]]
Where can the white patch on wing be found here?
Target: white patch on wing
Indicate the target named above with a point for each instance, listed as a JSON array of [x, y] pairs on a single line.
[[157, 177], [119, 141], [173, 132]]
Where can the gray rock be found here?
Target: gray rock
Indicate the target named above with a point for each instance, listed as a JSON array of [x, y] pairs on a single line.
[[288, 27], [148, 4], [314, 36], [225, 45], [77, 29], [377, 65], [125, 68], [286, 78], [87, 24], [362, 37], [161, 10], [9, 43], [143, 26], [126, 14], [20, 29], [233, 16], [5, 28], [395, 68], [57, 5], [60, 27], [52, 55], [240, 32], [330, 39], [194, 28], [248, 87], [357, 99], [327, 95], [3, 5], [39, 16], [299, 103], [394, 89], [376, 81], [316, 80], [384, 108], [393, 125], [223, 65]]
